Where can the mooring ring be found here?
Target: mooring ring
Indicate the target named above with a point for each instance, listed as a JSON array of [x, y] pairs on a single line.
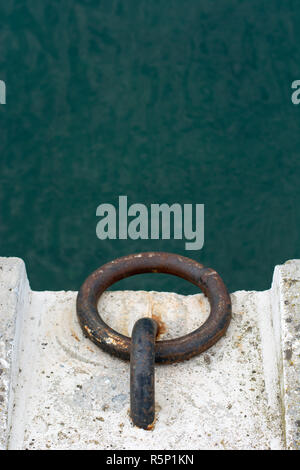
[[166, 351]]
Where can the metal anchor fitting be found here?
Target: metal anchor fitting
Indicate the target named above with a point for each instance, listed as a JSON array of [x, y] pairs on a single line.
[[142, 350], [142, 360]]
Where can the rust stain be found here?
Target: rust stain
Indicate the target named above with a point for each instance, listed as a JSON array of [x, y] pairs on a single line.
[[88, 330], [74, 335], [150, 427], [162, 328]]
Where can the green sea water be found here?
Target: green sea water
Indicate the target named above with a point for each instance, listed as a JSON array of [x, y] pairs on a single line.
[[184, 101]]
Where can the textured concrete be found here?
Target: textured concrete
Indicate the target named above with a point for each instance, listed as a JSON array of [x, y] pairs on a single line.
[[286, 288], [14, 299], [243, 393]]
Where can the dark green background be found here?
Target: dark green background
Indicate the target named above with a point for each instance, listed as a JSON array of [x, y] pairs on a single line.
[[163, 101]]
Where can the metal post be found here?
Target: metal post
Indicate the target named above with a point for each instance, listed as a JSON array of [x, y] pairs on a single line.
[[142, 359]]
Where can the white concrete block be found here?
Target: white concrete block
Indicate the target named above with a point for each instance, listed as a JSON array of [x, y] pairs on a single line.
[[243, 393], [286, 296], [14, 299]]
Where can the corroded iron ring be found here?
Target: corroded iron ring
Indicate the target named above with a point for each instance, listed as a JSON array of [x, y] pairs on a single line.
[[168, 351]]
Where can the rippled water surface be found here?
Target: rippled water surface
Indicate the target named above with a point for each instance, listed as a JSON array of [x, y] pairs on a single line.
[[163, 101]]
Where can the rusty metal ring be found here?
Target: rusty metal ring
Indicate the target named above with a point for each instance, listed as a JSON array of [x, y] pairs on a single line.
[[168, 351]]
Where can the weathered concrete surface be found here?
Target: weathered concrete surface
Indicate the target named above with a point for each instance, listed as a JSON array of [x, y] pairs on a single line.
[[243, 393], [14, 299], [286, 292]]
